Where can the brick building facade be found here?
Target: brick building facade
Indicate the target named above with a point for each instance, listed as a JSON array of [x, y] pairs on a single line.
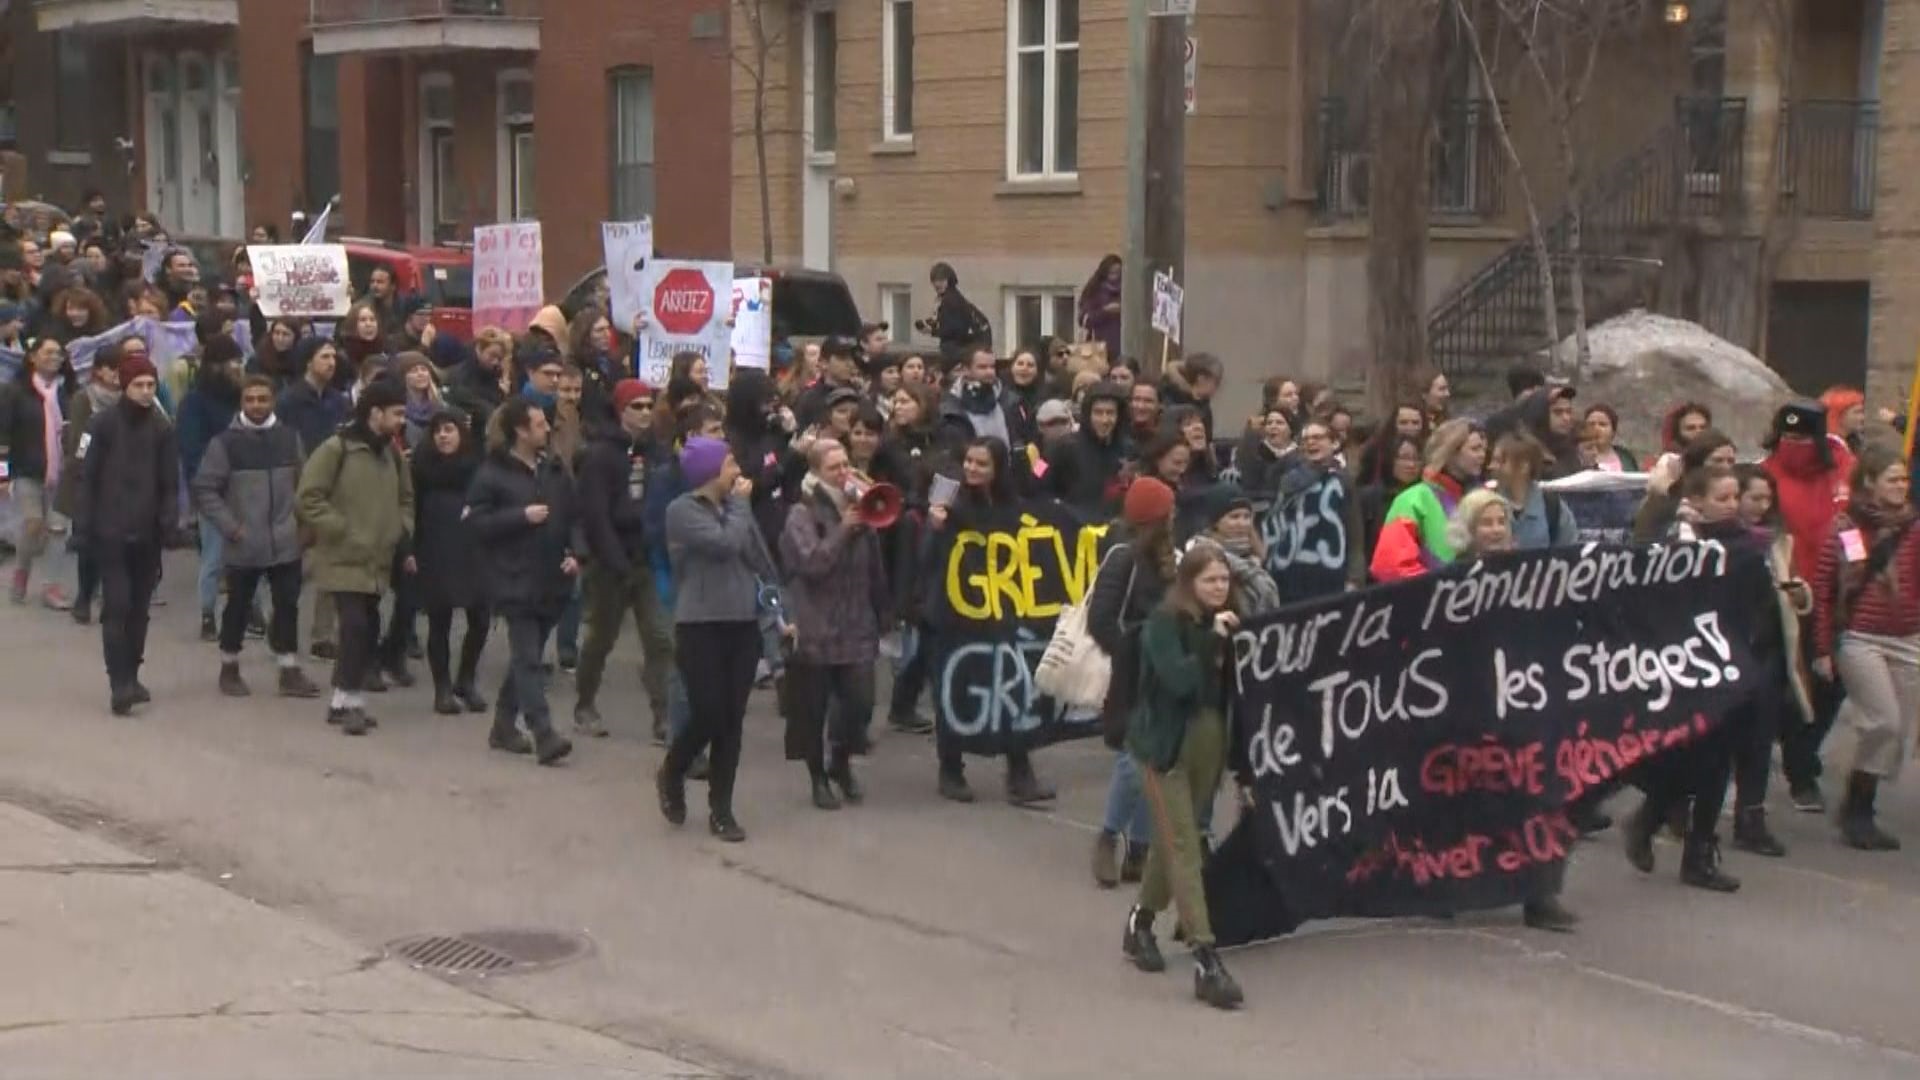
[[426, 117], [1011, 165]]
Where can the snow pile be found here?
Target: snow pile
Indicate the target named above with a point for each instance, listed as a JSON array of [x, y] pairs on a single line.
[[1643, 363]]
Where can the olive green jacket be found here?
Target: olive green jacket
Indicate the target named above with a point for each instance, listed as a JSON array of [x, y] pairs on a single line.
[[358, 508], [1180, 675]]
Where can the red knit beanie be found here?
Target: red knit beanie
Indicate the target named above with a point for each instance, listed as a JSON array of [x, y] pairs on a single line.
[[133, 367], [1148, 501], [627, 391]]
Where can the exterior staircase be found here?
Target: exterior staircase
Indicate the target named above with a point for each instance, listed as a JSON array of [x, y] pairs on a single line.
[[1632, 213]]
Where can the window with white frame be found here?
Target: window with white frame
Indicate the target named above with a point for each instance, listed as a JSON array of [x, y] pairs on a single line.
[[1034, 313], [896, 310], [825, 80], [630, 92], [896, 61], [436, 134], [1043, 88], [517, 158]]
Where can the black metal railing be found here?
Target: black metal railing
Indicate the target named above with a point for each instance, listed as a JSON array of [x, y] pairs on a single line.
[[1832, 149], [1468, 165], [1692, 168], [325, 13], [1714, 134]]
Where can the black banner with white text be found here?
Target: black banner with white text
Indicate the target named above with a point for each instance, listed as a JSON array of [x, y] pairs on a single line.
[[1413, 748]]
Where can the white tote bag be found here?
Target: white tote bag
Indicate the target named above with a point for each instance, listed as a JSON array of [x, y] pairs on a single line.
[[1075, 670]]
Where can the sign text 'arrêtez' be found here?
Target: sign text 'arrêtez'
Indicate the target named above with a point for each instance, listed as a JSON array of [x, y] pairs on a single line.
[[1413, 748], [1003, 578]]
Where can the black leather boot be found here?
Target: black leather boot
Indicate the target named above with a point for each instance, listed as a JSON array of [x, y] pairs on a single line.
[[1700, 865], [1211, 983], [1750, 833], [841, 773], [1857, 825], [1638, 835], [823, 796], [1139, 945], [1549, 914], [673, 795]]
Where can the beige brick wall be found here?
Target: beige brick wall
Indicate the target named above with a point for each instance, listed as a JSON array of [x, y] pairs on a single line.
[[1896, 254]]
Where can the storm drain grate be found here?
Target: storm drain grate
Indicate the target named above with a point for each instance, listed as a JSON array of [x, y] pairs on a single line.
[[489, 952]]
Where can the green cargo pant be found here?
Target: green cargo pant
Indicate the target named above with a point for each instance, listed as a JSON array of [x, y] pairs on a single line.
[[608, 597], [1175, 799]]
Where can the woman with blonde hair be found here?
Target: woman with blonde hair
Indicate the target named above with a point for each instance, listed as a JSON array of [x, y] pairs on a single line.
[[1481, 525], [1415, 538]]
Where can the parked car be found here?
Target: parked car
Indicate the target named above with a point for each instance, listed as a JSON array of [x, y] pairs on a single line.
[[807, 304], [444, 275]]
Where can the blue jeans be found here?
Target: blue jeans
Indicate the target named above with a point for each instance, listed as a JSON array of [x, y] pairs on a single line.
[[1127, 811], [567, 632], [679, 709], [212, 553]]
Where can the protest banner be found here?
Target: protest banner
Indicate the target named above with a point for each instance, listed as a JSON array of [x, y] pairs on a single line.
[[686, 312], [508, 286], [1413, 747], [165, 341], [1000, 580], [627, 247], [1602, 503], [753, 323], [300, 281], [1309, 532]]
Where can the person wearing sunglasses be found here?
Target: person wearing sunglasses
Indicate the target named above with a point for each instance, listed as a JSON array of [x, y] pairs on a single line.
[[612, 492]]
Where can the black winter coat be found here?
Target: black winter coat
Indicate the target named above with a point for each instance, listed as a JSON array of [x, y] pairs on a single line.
[[23, 426], [130, 479], [475, 391], [612, 490], [521, 561], [314, 415], [449, 561]]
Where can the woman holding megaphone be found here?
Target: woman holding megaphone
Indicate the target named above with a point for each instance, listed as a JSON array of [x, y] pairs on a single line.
[[836, 592]]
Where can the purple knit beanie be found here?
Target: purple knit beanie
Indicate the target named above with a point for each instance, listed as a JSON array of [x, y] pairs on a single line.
[[701, 458]]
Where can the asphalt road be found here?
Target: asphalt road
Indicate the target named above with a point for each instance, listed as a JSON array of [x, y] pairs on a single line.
[[916, 937]]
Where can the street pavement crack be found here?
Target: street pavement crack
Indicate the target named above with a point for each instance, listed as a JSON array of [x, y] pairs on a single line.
[[913, 926], [64, 869]]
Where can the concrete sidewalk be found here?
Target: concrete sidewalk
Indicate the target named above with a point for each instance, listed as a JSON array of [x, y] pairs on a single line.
[[117, 965]]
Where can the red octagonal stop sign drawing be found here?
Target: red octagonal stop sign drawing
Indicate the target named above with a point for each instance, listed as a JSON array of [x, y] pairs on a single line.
[[683, 301]]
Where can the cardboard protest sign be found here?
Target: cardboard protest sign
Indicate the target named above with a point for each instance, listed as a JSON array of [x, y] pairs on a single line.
[[1602, 503], [508, 282], [1414, 747], [687, 311], [627, 247], [300, 281], [1169, 300], [999, 582], [753, 323]]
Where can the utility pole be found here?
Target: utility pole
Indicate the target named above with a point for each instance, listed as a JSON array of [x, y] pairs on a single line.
[[1156, 170]]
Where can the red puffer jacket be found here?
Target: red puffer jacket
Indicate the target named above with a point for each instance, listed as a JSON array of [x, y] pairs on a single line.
[[1881, 607], [1811, 494]]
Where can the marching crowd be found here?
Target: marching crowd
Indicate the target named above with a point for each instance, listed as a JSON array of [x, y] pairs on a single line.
[[532, 486]]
